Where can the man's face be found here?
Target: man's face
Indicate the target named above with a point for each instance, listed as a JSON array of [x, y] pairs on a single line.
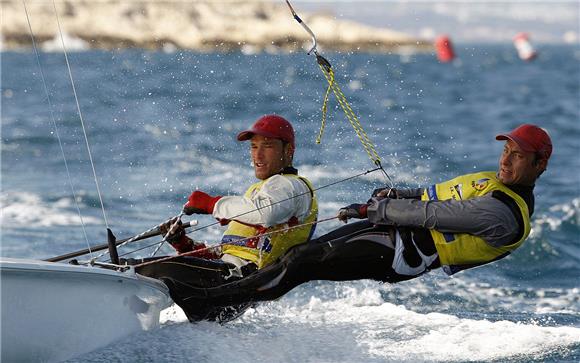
[[517, 166], [269, 156]]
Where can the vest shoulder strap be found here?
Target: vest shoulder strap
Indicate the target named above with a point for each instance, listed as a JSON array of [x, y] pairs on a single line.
[[516, 211], [305, 181]]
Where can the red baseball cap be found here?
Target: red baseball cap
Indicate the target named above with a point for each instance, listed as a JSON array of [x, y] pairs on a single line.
[[530, 138], [272, 126]]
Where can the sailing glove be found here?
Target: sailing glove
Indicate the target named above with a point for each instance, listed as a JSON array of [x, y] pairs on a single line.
[[353, 211], [181, 243], [177, 238], [200, 203]]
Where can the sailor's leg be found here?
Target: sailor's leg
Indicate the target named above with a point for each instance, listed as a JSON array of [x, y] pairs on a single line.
[[183, 274], [186, 270], [354, 252]]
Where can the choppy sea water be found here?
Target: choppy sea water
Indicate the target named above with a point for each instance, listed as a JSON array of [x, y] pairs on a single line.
[[163, 124]]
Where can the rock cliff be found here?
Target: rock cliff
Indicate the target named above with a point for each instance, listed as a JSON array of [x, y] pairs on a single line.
[[201, 25]]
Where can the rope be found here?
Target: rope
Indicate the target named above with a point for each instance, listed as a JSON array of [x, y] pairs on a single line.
[[328, 72], [171, 230], [80, 114], [51, 107], [138, 237], [348, 112], [159, 244], [289, 198], [237, 242], [324, 113]]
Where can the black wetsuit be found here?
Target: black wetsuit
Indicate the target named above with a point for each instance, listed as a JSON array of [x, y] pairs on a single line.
[[355, 251], [183, 273], [361, 250]]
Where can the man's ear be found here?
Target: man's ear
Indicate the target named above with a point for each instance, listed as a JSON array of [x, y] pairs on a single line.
[[541, 165], [289, 150]]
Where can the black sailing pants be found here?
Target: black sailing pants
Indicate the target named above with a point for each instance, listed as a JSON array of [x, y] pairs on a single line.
[[353, 252]]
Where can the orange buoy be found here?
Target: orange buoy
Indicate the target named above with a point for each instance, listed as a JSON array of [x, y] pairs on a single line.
[[444, 49], [525, 50]]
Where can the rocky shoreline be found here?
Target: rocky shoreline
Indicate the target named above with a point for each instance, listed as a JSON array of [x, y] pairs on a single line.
[[208, 25]]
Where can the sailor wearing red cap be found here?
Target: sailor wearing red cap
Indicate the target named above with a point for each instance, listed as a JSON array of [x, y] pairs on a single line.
[[258, 222], [472, 219], [462, 223], [467, 221], [280, 199]]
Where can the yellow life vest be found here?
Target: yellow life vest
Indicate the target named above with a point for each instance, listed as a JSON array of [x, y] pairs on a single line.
[[462, 250], [266, 249]]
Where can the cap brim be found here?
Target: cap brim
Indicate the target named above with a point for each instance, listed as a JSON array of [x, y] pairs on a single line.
[[248, 134], [521, 143], [245, 135]]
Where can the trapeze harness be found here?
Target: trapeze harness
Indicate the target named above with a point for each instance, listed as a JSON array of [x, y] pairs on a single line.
[[392, 254], [267, 247], [460, 251], [415, 251]]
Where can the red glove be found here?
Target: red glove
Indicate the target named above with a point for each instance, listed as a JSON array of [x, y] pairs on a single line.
[[186, 244], [200, 203], [204, 252], [182, 243], [353, 211]]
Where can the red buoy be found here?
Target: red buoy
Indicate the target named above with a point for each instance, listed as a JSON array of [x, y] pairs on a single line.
[[524, 47], [444, 49]]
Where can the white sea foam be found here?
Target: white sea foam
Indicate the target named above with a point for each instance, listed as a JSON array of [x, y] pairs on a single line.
[[171, 315], [344, 322], [394, 333], [470, 295], [558, 214], [28, 209]]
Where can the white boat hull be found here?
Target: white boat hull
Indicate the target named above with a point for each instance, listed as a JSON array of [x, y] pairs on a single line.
[[56, 311]]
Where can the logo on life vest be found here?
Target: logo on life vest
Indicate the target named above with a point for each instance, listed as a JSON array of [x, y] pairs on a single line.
[[457, 190], [480, 184]]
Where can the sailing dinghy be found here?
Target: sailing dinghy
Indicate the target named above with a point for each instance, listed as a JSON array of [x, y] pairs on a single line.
[[52, 311], [55, 311]]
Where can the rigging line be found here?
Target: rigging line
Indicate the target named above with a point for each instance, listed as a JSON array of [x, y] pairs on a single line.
[[239, 215], [306, 27], [51, 108], [328, 72], [80, 114], [141, 248], [287, 199], [160, 243], [138, 237], [194, 252], [172, 229]]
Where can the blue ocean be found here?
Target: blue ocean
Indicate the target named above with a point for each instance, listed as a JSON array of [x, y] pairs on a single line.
[[161, 124]]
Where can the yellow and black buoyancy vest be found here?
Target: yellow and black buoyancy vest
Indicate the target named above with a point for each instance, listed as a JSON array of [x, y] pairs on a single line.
[[462, 250], [266, 249]]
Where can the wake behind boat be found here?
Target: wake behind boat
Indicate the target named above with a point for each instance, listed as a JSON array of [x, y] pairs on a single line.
[[55, 311]]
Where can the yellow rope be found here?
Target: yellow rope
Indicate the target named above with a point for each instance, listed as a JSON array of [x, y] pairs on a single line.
[[324, 111], [349, 113]]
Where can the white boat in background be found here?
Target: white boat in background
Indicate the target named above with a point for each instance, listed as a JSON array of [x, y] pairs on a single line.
[[56, 311]]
